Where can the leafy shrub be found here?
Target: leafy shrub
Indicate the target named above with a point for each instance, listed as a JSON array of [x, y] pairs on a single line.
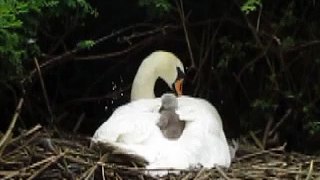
[[19, 25], [156, 8]]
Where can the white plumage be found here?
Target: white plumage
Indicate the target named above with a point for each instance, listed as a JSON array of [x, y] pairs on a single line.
[[133, 128]]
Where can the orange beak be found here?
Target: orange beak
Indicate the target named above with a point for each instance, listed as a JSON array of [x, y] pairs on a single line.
[[178, 86]]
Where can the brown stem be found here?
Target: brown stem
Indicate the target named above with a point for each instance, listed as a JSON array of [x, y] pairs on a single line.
[[183, 21], [44, 91], [4, 139]]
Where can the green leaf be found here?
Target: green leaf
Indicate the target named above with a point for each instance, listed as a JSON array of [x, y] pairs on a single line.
[[250, 6], [86, 44]]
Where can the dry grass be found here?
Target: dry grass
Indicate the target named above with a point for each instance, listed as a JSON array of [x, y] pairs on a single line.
[[40, 154]]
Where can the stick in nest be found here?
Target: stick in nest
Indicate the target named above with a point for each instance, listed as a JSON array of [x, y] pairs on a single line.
[[11, 126], [280, 148], [221, 172]]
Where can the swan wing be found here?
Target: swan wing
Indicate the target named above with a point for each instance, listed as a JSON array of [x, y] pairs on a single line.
[[132, 123], [203, 135]]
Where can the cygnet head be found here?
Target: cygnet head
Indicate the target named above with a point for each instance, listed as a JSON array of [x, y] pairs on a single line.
[[168, 102]]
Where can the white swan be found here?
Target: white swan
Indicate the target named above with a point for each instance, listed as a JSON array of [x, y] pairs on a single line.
[[133, 126]]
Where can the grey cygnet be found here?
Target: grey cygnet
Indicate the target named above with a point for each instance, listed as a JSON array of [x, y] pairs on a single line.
[[170, 124]]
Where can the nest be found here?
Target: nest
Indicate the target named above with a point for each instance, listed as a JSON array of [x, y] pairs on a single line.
[[42, 154]]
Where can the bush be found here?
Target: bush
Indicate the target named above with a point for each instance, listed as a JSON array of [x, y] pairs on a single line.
[[20, 23]]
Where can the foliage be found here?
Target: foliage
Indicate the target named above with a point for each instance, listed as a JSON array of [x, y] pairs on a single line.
[[265, 69], [86, 44], [20, 22], [156, 8], [10, 40], [250, 6], [285, 86]]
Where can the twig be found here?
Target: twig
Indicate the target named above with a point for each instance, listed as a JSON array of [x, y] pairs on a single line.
[[118, 177], [303, 46], [289, 111], [4, 139], [259, 18], [237, 77], [52, 160], [183, 21], [256, 140], [129, 49], [310, 171], [142, 34], [31, 131], [266, 132], [44, 91], [80, 119], [222, 173], [118, 32], [298, 176], [87, 174], [109, 55], [202, 170], [76, 50], [284, 170], [258, 57], [25, 144], [280, 148], [204, 55], [264, 49], [78, 160], [188, 176], [102, 173]]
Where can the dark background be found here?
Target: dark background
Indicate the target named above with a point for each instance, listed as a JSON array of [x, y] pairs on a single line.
[[256, 69]]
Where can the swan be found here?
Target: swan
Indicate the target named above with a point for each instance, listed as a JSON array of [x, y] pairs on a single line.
[[133, 126]]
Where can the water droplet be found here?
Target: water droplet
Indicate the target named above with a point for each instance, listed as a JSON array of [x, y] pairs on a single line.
[[114, 87]]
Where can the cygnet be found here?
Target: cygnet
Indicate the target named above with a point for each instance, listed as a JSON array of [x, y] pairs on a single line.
[[170, 124]]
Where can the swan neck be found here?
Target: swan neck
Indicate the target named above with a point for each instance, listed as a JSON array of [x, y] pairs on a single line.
[[143, 85]]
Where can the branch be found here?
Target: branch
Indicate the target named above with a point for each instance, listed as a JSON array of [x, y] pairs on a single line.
[[303, 46], [4, 139], [276, 149], [78, 49], [222, 173], [44, 91], [112, 54], [183, 20]]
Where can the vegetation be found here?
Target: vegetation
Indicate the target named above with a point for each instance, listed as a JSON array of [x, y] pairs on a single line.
[[21, 25], [256, 61]]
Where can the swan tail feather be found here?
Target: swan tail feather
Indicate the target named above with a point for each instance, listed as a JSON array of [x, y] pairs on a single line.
[[118, 155]]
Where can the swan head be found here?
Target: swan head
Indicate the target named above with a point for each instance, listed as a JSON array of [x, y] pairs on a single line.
[[159, 64], [168, 102]]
